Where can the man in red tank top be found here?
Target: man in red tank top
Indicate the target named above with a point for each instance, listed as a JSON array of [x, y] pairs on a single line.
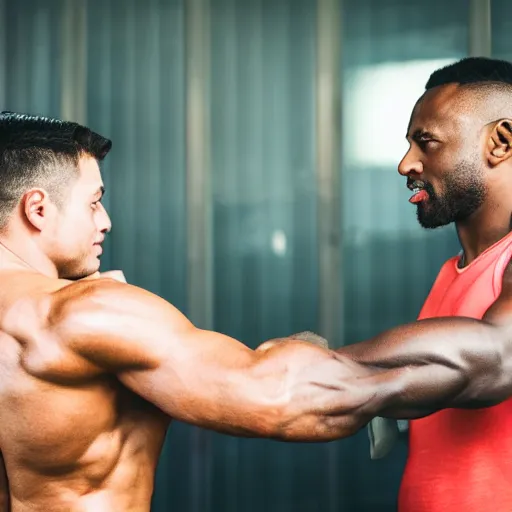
[[450, 372]]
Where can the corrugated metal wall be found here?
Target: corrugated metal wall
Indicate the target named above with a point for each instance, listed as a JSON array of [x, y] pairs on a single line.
[[263, 167], [265, 267], [136, 93], [390, 48], [33, 38], [502, 29], [265, 264]]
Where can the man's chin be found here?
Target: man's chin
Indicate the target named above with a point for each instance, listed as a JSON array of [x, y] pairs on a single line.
[[429, 219], [82, 273]]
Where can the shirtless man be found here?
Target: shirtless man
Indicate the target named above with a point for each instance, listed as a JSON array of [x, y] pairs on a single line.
[[93, 370]]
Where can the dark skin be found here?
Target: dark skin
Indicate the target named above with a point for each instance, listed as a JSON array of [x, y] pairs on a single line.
[[416, 369], [428, 365]]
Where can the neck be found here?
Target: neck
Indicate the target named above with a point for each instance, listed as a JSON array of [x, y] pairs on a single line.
[[25, 254], [483, 229]]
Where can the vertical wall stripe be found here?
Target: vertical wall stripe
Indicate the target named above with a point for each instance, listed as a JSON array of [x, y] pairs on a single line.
[[480, 37], [73, 61], [501, 23], [3, 56], [199, 215], [199, 223], [33, 57], [328, 139]]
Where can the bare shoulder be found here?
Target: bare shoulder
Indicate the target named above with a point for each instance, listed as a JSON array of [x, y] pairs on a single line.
[[26, 300], [114, 325], [73, 329]]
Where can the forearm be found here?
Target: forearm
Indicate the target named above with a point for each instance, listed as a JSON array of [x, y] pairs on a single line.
[[434, 364], [314, 393]]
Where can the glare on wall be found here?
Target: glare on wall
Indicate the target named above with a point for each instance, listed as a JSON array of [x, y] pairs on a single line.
[[378, 101]]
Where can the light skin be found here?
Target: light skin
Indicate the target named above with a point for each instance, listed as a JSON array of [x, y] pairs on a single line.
[[94, 369]]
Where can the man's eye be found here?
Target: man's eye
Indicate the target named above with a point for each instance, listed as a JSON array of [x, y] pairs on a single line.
[[427, 143]]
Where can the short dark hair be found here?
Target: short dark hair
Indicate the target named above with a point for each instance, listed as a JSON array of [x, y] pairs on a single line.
[[44, 152], [472, 70]]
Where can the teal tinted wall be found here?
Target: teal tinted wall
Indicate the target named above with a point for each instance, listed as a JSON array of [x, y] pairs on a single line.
[[263, 194]]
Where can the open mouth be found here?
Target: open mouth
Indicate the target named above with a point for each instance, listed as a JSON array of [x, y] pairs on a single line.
[[418, 189]]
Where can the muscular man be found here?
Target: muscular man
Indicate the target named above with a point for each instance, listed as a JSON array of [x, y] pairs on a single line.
[[92, 370], [451, 371]]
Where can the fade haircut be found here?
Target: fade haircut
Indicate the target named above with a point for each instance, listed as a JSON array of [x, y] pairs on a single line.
[[38, 151], [473, 71]]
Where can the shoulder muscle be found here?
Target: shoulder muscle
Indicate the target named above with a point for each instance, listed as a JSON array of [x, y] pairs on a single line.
[[115, 325]]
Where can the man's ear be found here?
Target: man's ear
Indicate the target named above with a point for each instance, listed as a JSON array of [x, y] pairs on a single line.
[[499, 143], [36, 206]]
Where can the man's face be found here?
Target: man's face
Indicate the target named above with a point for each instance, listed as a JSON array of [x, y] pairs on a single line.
[[79, 227], [444, 167]]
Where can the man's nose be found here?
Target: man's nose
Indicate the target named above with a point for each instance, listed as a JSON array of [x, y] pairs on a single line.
[[105, 222], [410, 165]]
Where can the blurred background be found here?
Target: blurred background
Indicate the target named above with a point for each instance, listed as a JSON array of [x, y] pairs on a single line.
[[253, 184]]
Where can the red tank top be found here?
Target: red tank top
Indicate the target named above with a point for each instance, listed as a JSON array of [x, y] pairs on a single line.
[[461, 460]]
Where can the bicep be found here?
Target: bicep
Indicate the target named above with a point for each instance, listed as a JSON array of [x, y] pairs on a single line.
[[205, 379]]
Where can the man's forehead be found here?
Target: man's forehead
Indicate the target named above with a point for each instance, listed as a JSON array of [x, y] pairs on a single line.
[[440, 108], [90, 174]]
